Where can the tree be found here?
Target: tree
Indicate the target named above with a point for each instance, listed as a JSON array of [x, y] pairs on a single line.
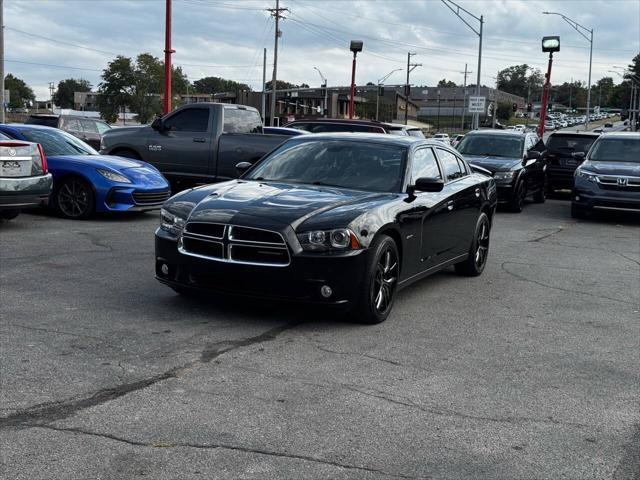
[[282, 85], [444, 83], [118, 84], [515, 80], [20, 93], [66, 88], [504, 111], [213, 85]]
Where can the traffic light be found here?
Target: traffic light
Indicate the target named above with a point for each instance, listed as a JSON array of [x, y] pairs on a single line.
[[323, 90], [515, 107], [407, 90], [529, 107], [380, 91]]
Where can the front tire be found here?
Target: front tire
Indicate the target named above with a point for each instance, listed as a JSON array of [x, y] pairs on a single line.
[[9, 214], [74, 199], [474, 265], [380, 284], [517, 203]]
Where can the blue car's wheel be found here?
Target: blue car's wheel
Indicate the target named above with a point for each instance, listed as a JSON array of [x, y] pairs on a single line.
[[74, 198]]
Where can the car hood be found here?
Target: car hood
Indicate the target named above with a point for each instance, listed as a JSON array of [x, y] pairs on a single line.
[[494, 164], [265, 204], [99, 161], [613, 168]]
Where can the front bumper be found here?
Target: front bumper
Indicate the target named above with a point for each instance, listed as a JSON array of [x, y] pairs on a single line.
[[601, 199], [134, 199], [25, 192], [300, 281]]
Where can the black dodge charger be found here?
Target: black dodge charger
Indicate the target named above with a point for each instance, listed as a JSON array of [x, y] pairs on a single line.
[[336, 219]]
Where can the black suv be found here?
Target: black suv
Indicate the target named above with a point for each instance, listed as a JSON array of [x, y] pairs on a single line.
[[609, 177], [516, 161], [565, 151], [322, 125], [87, 129]]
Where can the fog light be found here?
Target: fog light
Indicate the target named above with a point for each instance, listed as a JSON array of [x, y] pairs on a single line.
[[164, 269], [326, 291]]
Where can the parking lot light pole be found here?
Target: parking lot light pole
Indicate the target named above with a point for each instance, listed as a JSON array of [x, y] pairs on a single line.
[[355, 47], [166, 104], [380, 84], [450, 5], [549, 44], [581, 29]]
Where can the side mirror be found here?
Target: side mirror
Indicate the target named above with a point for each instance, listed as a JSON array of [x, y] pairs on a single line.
[[158, 124], [578, 156], [242, 167], [533, 155], [426, 184]]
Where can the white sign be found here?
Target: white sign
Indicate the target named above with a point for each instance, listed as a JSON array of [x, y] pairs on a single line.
[[477, 104]]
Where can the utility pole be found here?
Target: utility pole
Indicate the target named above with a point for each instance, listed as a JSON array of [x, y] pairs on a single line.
[[166, 104], [407, 88], [276, 13], [51, 88], [464, 93], [264, 86], [2, 99], [570, 88]]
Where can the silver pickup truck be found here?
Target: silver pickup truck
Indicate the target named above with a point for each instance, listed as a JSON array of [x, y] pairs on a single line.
[[197, 143]]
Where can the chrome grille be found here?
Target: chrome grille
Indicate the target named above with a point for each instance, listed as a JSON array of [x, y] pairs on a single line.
[[619, 182], [151, 198], [234, 244]]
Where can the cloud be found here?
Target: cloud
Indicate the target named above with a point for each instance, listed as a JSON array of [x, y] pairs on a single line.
[[226, 38]]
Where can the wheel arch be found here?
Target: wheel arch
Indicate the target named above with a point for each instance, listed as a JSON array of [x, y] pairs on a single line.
[[395, 235], [117, 150]]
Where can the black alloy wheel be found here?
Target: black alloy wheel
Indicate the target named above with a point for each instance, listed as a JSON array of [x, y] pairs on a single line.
[[381, 281], [517, 203], [74, 199], [479, 250]]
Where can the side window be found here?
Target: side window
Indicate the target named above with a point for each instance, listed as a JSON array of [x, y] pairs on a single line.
[[89, 126], [463, 167], [238, 120], [102, 127], [189, 120], [451, 165], [72, 124], [424, 165]]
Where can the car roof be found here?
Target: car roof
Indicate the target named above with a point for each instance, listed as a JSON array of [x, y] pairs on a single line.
[[620, 135], [345, 121], [405, 141], [510, 133], [24, 126], [574, 134]]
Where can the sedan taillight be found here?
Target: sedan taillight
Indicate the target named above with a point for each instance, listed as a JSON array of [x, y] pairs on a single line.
[[43, 160]]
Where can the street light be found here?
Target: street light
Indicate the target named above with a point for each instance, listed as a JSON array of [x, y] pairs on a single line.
[[355, 47], [579, 28], [380, 82], [549, 44], [456, 11], [324, 87]]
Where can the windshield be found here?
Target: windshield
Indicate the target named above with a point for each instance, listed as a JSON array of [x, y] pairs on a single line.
[[616, 150], [491, 146], [56, 142], [416, 133], [337, 163], [569, 143]]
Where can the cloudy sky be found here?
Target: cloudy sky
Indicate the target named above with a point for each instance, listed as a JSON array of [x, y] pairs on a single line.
[[50, 40]]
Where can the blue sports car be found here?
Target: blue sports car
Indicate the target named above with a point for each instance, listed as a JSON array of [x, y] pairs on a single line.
[[85, 182]]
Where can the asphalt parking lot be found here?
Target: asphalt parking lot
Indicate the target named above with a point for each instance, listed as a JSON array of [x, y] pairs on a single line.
[[530, 371]]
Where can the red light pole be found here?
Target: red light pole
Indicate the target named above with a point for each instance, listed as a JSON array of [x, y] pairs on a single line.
[[355, 47], [166, 104], [549, 44]]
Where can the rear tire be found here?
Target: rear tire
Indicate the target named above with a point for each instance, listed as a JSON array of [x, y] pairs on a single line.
[[474, 265], [9, 214], [578, 211], [381, 280], [74, 199]]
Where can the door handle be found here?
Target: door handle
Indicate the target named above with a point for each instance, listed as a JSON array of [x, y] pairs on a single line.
[[477, 192], [199, 140], [450, 205]]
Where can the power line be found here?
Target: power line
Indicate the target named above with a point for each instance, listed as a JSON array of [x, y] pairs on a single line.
[[53, 66]]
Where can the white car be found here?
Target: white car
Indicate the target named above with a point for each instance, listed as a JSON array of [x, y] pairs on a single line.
[[442, 137]]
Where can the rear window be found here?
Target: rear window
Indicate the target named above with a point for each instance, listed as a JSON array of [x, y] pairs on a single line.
[[342, 127], [237, 120], [570, 143], [46, 121]]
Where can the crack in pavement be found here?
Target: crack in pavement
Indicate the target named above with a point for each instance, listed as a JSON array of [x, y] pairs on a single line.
[[628, 258], [552, 287], [561, 228], [407, 402], [373, 357], [95, 240], [60, 332], [222, 446], [52, 411]]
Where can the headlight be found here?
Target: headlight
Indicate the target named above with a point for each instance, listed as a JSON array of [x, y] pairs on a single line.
[[114, 177], [503, 176], [170, 222], [328, 240], [587, 175]]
